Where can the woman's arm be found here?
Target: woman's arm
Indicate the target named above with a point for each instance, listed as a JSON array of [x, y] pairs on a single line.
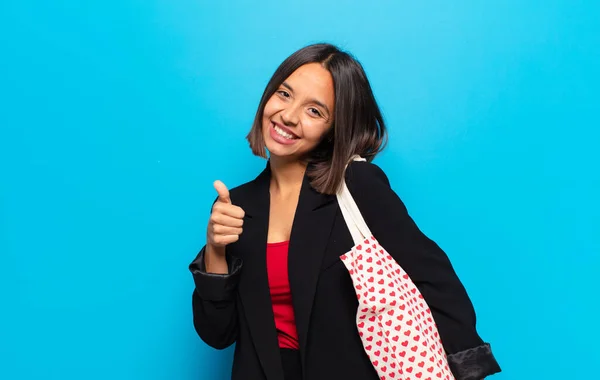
[[429, 268], [216, 274]]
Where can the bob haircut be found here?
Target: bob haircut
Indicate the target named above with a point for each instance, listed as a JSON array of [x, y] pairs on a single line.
[[358, 127]]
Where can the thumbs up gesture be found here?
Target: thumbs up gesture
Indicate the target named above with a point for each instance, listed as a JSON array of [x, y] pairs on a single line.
[[226, 220]]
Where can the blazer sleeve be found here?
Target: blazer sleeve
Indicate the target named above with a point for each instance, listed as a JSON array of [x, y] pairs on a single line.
[[429, 268], [213, 302]]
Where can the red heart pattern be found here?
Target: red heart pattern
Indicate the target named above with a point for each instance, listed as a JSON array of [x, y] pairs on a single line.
[[392, 317]]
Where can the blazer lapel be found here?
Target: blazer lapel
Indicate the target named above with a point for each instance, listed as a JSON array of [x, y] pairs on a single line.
[[312, 227], [254, 285]]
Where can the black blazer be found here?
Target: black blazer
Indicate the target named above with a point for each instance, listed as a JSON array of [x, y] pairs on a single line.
[[237, 307]]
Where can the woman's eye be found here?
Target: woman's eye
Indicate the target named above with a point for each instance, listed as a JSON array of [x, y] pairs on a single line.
[[315, 111], [285, 94]]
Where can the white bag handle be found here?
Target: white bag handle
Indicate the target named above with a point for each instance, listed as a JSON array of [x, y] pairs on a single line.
[[354, 219]]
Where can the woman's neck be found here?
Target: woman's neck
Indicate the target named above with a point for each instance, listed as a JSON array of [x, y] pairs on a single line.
[[286, 175]]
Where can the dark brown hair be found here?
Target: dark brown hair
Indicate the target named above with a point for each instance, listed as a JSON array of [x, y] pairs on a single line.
[[358, 126]]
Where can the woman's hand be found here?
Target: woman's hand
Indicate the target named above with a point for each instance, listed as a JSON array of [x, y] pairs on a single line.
[[224, 227]]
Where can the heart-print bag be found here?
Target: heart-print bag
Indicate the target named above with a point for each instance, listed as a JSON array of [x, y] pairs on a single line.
[[394, 322]]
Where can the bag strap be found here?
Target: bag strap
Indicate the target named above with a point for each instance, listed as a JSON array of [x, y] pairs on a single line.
[[354, 219]]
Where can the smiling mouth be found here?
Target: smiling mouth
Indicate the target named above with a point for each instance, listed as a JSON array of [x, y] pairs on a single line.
[[283, 133]]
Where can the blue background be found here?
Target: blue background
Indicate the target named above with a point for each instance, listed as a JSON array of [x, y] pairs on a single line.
[[116, 116]]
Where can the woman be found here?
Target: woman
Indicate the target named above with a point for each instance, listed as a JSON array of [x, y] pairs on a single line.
[[270, 278]]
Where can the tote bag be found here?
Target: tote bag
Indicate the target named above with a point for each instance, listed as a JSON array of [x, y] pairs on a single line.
[[394, 322]]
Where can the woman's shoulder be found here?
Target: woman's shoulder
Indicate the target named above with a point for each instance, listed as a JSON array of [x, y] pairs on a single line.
[[372, 191], [364, 174]]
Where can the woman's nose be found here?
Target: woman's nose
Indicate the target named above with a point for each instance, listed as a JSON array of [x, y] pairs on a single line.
[[291, 115]]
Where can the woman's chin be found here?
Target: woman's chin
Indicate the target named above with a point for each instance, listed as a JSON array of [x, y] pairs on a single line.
[[279, 150], [282, 155]]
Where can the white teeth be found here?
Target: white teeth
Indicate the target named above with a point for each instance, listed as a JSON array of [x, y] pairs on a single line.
[[281, 132]]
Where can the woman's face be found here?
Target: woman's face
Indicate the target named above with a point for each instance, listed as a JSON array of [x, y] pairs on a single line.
[[299, 113]]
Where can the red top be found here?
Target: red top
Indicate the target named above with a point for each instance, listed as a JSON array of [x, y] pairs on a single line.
[[281, 296]]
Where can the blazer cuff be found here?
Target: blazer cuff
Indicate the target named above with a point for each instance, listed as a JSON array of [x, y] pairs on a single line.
[[473, 364], [214, 286]]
